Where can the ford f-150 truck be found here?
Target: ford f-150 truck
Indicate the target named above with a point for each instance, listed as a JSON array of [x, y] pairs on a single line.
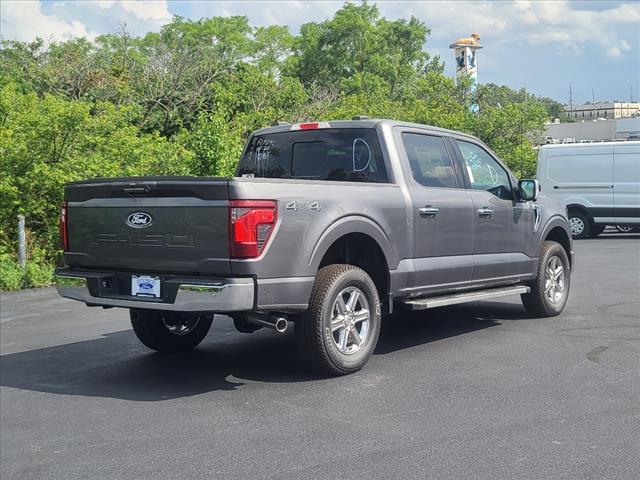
[[328, 225]]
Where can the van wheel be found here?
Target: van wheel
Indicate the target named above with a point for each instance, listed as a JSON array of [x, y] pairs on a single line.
[[625, 228], [579, 224], [550, 289], [169, 331], [339, 331]]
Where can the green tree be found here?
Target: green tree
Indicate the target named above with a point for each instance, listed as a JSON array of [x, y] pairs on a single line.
[[357, 43]]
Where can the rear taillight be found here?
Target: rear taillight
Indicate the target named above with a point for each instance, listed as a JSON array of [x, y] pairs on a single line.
[[251, 223], [64, 239]]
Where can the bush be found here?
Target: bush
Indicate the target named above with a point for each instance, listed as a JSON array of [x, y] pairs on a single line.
[[11, 274], [36, 273]]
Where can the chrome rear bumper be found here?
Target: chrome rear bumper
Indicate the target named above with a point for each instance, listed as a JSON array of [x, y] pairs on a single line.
[[183, 294]]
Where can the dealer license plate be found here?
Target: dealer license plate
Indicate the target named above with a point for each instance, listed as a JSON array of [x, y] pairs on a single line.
[[145, 286]]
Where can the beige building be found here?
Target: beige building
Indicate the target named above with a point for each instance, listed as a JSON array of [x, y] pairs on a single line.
[[592, 131], [591, 111]]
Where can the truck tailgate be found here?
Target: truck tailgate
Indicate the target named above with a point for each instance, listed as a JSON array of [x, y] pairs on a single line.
[[149, 224]]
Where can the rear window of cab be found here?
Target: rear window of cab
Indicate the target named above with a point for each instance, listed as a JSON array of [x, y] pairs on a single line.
[[335, 154]]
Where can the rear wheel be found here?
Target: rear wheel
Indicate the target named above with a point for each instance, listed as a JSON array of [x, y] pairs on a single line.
[[550, 289], [579, 224], [625, 228], [169, 331], [340, 330]]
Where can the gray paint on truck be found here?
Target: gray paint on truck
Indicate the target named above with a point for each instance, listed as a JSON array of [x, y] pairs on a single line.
[[423, 255]]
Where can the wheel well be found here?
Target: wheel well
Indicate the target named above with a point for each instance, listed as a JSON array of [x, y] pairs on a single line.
[[558, 234], [362, 251], [581, 209]]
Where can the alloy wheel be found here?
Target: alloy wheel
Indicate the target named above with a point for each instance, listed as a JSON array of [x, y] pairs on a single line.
[[554, 282], [350, 320]]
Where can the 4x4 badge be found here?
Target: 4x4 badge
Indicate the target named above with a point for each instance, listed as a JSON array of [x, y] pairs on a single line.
[[303, 205]]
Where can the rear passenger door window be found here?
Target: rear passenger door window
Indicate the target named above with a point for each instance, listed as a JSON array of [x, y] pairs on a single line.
[[429, 160]]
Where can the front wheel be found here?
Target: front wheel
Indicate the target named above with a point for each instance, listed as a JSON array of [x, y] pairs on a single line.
[[550, 289], [340, 330], [169, 331]]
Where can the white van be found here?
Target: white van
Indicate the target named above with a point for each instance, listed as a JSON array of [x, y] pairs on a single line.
[[598, 182]]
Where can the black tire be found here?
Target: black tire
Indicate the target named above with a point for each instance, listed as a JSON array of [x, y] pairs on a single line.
[[314, 335], [537, 302], [597, 230], [153, 329], [577, 218]]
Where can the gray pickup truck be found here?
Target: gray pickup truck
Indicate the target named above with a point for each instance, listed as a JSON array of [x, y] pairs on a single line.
[[328, 225]]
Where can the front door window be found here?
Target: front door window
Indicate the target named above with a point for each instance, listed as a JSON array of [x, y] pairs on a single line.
[[484, 172]]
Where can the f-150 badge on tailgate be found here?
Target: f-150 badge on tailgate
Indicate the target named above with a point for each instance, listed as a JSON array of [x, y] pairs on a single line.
[[139, 220]]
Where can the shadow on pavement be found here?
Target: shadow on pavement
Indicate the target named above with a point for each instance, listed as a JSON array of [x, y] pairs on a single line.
[[117, 366]]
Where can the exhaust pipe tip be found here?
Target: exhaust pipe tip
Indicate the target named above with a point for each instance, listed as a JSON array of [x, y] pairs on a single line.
[[280, 324], [277, 323]]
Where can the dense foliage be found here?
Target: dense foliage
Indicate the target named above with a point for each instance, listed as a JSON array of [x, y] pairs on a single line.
[[183, 100]]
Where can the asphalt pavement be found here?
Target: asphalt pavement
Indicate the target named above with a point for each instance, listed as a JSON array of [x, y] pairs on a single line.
[[479, 391]]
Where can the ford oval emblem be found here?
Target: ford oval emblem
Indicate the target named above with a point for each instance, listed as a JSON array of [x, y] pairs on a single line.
[[139, 220]]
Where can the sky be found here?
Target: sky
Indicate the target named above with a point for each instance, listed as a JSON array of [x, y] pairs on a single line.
[[541, 45]]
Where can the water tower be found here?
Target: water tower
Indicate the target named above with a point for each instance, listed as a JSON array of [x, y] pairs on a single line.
[[466, 62]]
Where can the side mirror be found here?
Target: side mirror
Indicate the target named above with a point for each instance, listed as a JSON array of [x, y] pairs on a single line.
[[529, 190]]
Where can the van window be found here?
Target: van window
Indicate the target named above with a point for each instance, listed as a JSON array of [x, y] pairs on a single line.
[[580, 165], [339, 154], [627, 165]]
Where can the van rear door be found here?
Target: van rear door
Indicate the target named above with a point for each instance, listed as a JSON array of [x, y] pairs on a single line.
[[626, 183]]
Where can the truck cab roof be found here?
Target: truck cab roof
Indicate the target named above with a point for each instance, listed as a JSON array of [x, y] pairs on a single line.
[[364, 123]]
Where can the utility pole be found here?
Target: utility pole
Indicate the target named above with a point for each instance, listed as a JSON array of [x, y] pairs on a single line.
[[570, 99], [593, 96]]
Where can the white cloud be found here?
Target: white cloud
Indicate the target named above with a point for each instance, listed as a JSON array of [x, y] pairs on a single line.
[[25, 21], [613, 51], [148, 10], [142, 9], [101, 4]]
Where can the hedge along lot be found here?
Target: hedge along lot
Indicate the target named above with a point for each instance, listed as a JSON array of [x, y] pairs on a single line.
[[182, 102]]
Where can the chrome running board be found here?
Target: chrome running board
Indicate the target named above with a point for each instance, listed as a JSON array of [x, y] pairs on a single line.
[[477, 295]]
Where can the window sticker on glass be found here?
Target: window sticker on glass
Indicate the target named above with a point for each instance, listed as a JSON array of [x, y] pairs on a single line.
[[361, 155], [263, 152]]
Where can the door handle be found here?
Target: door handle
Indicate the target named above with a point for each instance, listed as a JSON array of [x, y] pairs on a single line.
[[485, 212], [428, 211]]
